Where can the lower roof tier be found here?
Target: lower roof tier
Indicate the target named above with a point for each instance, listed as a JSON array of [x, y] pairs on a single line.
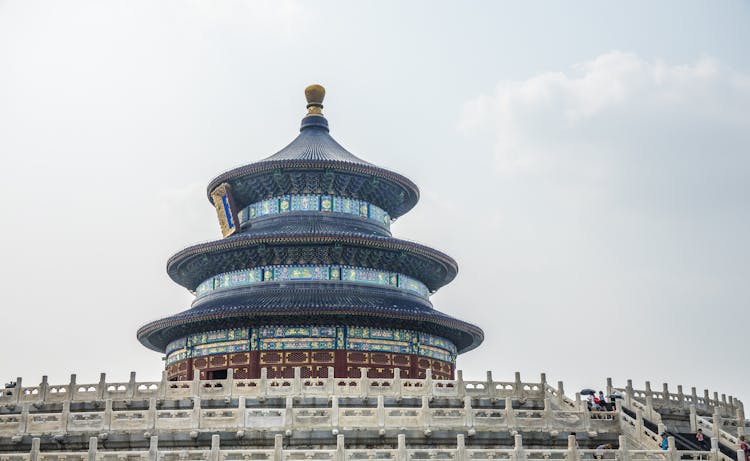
[[300, 304], [196, 264]]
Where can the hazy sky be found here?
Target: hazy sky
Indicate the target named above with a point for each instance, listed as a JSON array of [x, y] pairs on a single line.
[[586, 163]]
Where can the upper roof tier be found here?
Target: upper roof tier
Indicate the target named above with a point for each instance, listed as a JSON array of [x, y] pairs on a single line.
[[314, 163]]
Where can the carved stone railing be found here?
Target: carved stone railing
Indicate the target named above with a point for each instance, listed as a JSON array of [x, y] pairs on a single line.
[[340, 452], [728, 407], [265, 387], [376, 417]]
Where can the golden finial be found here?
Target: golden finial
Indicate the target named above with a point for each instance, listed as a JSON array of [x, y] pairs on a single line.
[[315, 94]]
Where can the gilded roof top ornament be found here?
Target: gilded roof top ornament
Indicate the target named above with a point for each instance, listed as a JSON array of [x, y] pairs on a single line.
[[315, 94]]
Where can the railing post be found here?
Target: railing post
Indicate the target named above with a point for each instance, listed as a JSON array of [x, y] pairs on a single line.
[[381, 412], [242, 410], [518, 384], [93, 441], [108, 414], [460, 448], [639, 423], [340, 448], [297, 386], [579, 405], [19, 389], [548, 421], [623, 450], [609, 386], [195, 420], [716, 420], [35, 443], [518, 451], [672, 449], [230, 382], [460, 387], [469, 413], [665, 392], [572, 449], [715, 447], [680, 395], [163, 386], [543, 383], [131, 385], [694, 395], [693, 418], [629, 394], [490, 385], [263, 382], [153, 448], [335, 412], [278, 447], [102, 386], [364, 382], [71, 387], [289, 414], [428, 382], [214, 453], [402, 453], [510, 415], [151, 421], [425, 411], [65, 416], [397, 382], [43, 387], [560, 393]]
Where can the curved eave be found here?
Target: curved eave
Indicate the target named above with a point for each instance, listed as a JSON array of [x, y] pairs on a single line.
[[223, 249], [402, 183], [156, 335]]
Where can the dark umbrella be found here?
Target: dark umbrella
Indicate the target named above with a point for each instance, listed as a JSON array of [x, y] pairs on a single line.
[[615, 396], [587, 392]]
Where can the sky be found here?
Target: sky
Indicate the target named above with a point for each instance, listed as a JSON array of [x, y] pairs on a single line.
[[585, 163]]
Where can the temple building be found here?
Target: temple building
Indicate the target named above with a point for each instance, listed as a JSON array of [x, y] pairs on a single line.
[[312, 337], [308, 274]]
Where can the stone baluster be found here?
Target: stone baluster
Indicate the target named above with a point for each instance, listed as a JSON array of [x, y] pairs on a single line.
[[519, 454], [153, 448], [715, 401], [680, 395], [693, 418], [35, 444], [610, 389], [716, 421], [71, 388], [428, 384], [461, 448], [101, 388], [560, 393], [490, 385], [623, 452], [518, 385], [510, 414], [18, 391], [629, 394], [213, 455], [572, 454], [65, 416], [706, 398], [163, 385], [364, 382], [242, 411], [672, 449], [639, 423], [93, 445], [548, 420], [381, 412], [579, 404], [469, 414], [297, 385], [694, 395], [402, 454], [278, 447], [263, 383], [543, 383], [426, 415], [740, 455], [108, 414], [289, 414], [665, 392], [398, 387], [151, 419], [195, 420], [649, 396], [335, 412], [340, 448], [714, 448], [460, 386], [43, 388], [229, 383], [331, 381], [24, 419], [131, 385]]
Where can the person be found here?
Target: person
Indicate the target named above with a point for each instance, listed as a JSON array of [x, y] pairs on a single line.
[[664, 443], [599, 453], [701, 439], [745, 447]]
